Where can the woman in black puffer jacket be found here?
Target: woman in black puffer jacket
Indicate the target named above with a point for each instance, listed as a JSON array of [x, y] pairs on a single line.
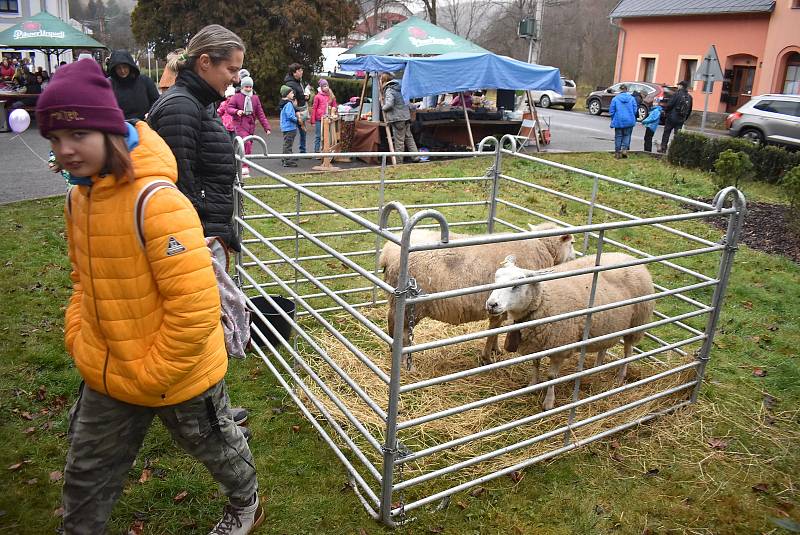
[[186, 117]]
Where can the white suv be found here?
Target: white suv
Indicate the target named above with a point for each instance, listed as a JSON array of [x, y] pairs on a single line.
[[768, 118], [548, 98]]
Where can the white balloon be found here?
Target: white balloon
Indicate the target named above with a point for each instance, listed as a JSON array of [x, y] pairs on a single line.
[[19, 121]]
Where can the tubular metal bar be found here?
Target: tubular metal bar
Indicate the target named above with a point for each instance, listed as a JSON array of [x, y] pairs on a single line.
[[391, 446], [357, 305], [541, 415], [495, 171], [605, 178], [339, 292], [630, 249], [300, 280], [550, 319], [360, 317], [538, 355], [352, 348], [321, 352], [314, 196], [307, 258], [569, 428], [322, 245], [308, 155], [592, 202], [633, 250], [613, 225], [522, 391], [603, 207], [320, 406], [565, 274], [732, 233], [587, 326], [663, 343], [683, 326], [369, 209], [389, 182], [311, 418], [358, 232], [539, 458]]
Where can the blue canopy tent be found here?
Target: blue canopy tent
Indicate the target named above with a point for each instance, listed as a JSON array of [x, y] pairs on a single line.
[[450, 73], [455, 72]]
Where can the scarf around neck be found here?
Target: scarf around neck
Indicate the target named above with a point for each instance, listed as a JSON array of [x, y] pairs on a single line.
[[248, 103]]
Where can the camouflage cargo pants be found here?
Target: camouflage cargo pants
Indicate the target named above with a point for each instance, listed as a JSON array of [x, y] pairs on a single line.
[[105, 435]]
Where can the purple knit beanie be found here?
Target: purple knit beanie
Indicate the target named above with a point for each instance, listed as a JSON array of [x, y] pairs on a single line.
[[79, 96]]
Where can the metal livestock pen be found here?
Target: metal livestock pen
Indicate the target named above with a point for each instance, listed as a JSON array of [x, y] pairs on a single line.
[[412, 438]]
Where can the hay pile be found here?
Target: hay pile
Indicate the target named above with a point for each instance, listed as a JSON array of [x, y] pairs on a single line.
[[451, 359]]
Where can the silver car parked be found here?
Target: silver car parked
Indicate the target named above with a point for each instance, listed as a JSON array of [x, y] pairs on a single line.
[[768, 118], [566, 98]]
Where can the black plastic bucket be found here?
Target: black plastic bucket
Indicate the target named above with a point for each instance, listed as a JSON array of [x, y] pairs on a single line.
[[273, 317]]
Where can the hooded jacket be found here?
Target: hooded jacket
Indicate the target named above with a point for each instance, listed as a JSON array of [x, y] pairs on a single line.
[[673, 107], [135, 93], [143, 323], [623, 111], [186, 118], [394, 107], [245, 125], [297, 87], [653, 118]]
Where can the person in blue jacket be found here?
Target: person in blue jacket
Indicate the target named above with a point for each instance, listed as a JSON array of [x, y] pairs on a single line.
[[623, 119], [289, 123], [651, 124]]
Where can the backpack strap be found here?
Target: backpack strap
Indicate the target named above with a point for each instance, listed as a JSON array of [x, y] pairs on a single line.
[[141, 202], [68, 202]]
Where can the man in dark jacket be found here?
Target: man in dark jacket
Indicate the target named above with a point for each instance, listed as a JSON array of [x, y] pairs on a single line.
[[135, 92], [677, 111], [294, 79]]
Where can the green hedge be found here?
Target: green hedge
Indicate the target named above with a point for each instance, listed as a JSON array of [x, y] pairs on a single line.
[[791, 186], [690, 149]]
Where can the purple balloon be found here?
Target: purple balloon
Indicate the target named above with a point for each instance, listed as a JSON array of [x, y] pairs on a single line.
[[19, 121]]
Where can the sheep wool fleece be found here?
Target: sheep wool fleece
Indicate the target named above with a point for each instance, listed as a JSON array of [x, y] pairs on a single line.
[[143, 324]]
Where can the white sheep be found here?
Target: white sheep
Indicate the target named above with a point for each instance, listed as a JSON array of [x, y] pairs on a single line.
[[439, 270], [544, 299]]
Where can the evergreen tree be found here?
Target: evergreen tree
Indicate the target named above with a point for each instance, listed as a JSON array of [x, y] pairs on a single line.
[[276, 33]]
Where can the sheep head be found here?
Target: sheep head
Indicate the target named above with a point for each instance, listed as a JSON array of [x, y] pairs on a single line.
[[561, 247], [518, 300]]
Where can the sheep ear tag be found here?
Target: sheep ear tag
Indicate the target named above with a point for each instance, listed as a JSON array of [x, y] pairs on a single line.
[[513, 339]]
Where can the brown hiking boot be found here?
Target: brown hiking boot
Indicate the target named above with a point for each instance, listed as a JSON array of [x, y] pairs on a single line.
[[239, 520]]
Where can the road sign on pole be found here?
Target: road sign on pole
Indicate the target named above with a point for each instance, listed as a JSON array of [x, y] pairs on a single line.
[[708, 72]]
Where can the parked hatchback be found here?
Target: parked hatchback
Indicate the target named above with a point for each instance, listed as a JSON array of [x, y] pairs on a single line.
[[566, 98], [768, 118], [599, 101]]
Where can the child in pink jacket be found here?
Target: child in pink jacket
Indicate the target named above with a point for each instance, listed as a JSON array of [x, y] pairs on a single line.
[[225, 117], [322, 100], [245, 108]]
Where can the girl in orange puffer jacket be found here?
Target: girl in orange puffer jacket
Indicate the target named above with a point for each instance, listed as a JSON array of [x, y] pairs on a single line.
[[143, 323]]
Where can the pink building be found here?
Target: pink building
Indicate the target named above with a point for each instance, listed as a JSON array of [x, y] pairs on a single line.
[[757, 41]]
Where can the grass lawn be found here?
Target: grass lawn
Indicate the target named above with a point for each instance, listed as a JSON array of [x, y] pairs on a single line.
[[728, 464]]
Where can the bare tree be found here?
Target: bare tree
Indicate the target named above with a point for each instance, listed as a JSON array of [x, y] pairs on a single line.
[[466, 19], [430, 10], [576, 36]]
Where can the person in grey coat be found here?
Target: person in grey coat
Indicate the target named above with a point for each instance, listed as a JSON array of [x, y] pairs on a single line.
[[396, 113]]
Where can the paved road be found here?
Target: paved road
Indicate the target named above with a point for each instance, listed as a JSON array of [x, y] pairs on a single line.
[[24, 174], [578, 131]]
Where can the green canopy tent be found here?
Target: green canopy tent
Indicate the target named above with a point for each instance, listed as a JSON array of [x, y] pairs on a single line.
[[47, 33], [415, 37]]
